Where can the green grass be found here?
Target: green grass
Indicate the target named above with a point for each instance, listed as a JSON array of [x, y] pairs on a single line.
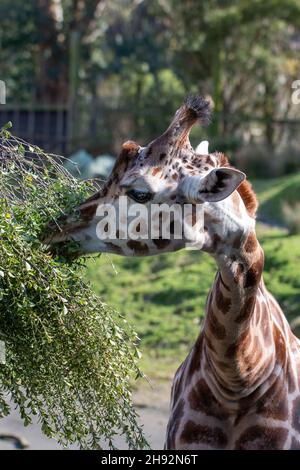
[[164, 296], [273, 192]]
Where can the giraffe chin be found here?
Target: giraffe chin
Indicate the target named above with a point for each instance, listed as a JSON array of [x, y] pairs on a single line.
[[71, 246]]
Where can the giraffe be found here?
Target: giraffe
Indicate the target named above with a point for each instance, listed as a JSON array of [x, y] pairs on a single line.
[[239, 386]]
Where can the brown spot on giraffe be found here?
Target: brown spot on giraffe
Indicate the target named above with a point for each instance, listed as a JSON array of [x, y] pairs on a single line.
[[116, 248], [261, 438], [237, 241], [295, 445], [155, 171], [201, 399], [196, 356], [221, 365], [251, 243], [87, 213], [138, 247], [209, 160], [223, 303], [246, 310], [274, 404], [291, 380], [296, 414], [161, 243], [279, 345], [247, 404], [240, 416], [216, 328], [177, 386], [253, 274], [223, 283], [209, 344], [200, 434], [240, 343], [177, 415]]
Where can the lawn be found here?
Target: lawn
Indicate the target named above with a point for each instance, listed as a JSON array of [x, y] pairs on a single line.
[[273, 192], [163, 297]]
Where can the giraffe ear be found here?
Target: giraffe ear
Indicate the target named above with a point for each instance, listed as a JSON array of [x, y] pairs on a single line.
[[129, 150], [215, 186]]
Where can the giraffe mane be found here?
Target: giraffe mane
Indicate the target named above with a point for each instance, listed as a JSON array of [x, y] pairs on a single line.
[[245, 189]]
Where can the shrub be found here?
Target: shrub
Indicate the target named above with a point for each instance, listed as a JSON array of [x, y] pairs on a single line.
[[291, 217], [69, 357], [260, 160]]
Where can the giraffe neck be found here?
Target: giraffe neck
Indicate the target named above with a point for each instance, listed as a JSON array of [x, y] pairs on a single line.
[[237, 333]]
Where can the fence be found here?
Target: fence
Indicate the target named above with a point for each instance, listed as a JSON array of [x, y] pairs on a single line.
[[100, 125], [48, 126]]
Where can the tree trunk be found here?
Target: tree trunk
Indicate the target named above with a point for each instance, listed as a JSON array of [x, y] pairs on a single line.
[[52, 53]]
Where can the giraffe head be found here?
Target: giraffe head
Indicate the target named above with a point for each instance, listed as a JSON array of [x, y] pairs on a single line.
[[133, 214]]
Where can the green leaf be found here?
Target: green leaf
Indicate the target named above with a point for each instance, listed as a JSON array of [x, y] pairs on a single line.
[[8, 125]]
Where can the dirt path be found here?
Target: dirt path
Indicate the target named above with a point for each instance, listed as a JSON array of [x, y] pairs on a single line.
[[153, 407]]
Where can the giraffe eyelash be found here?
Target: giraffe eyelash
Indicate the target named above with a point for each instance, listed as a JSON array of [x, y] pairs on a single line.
[[139, 196]]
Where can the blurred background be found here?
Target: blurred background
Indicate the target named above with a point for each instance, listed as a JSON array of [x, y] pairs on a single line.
[[92, 73], [83, 76]]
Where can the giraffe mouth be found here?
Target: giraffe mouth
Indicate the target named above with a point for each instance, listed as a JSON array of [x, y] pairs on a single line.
[[67, 250], [59, 237], [65, 235]]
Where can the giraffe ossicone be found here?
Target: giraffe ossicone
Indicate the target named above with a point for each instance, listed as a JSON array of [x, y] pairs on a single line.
[[239, 387], [202, 147]]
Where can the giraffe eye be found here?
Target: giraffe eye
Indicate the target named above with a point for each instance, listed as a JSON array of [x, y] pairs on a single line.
[[139, 196]]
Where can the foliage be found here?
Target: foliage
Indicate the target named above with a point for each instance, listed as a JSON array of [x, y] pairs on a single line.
[[69, 357], [260, 160], [36, 38], [281, 272], [274, 193], [291, 217]]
